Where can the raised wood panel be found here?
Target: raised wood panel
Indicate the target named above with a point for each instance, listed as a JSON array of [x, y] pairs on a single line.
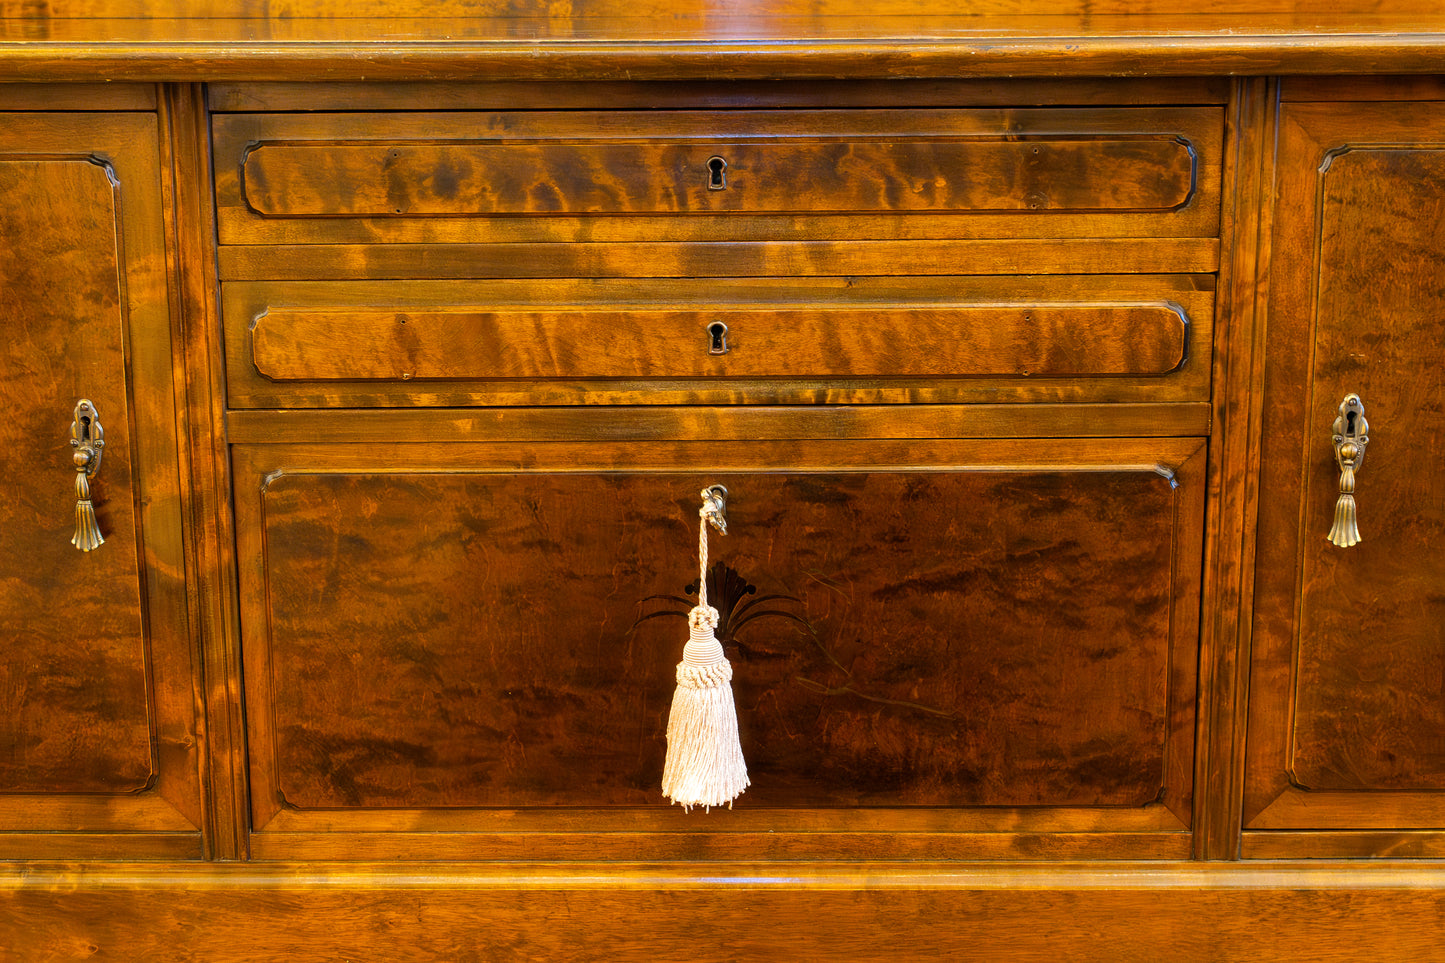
[[97, 733], [1042, 340], [1346, 712], [493, 657], [842, 340], [495, 669], [794, 174], [1370, 709], [632, 176], [74, 712]]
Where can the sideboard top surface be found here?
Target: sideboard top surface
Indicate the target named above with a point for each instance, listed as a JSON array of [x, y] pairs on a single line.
[[260, 40]]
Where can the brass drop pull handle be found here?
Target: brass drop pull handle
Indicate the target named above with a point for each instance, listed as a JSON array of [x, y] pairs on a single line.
[[87, 437], [1351, 435]]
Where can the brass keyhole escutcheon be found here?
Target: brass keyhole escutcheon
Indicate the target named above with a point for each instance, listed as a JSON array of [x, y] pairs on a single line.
[[717, 174], [717, 338], [87, 438]]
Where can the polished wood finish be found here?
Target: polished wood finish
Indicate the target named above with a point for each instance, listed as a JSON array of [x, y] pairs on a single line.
[[691, 44], [205, 468], [843, 340], [715, 94], [1286, 703], [947, 341], [1239, 366], [98, 732], [1346, 714], [657, 423], [849, 658], [721, 259], [806, 175], [77, 97], [683, 173], [575, 13], [77, 616], [866, 911], [1387, 89]]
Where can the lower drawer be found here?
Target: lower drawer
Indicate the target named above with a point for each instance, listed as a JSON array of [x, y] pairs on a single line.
[[322, 344], [957, 649]]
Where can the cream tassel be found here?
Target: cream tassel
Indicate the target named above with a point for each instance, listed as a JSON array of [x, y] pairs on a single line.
[[705, 765]]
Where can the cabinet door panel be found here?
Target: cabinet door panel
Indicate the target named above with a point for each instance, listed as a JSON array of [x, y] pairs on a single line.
[[97, 737], [1371, 707], [74, 712], [987, 644], [1348, 725]]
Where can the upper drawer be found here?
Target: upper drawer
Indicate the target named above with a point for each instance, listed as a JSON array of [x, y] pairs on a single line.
[[659, 176]]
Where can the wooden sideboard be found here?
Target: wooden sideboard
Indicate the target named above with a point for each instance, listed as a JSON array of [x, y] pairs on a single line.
[[1018, 341]]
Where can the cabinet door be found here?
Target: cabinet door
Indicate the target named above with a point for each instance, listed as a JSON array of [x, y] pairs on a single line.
[[1347, 729], [942, 648], [97, 743]]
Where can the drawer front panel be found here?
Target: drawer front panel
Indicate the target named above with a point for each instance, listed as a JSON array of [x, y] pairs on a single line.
[[503, 641], [593, 176], [1048, 340], [983, 339], [801, 175]]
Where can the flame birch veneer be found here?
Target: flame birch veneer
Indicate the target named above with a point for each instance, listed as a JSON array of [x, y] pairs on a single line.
[[1018, 339]]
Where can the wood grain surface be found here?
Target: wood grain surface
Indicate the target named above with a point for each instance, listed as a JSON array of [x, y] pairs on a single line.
[[720, 259], [789, 174], [953, 579], [1370, 709], [584, 10], [494, 658], [898, 347], [99, 730], [74, 711], [1401, 36], [1048, 340], [643, 176], [866, 911], [205, 468], [755, 423], [99, 96], [1345, 707], [1238, 397], [715, 94]]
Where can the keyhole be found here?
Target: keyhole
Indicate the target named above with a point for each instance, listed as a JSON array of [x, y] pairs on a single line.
[[717, 334], [1350, 423], [717, 179], [85, 427]]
